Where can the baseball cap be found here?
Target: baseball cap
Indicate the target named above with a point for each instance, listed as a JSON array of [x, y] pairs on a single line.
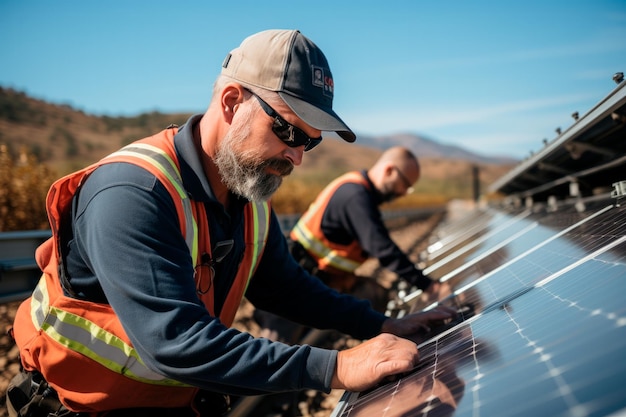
[[289, 63]]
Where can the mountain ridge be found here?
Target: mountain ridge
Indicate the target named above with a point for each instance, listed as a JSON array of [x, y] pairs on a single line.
[[427, 147]]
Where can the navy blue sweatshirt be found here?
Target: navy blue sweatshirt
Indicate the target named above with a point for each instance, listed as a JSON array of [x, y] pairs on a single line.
[[125, 248]]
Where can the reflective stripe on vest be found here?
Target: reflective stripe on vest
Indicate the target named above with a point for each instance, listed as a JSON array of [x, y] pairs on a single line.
[[321, 251], [303, 234], [167, 166], [257, 229], [261, 216], [90, 340]]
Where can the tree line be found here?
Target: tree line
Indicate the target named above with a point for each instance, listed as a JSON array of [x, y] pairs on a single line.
[[24, 184]]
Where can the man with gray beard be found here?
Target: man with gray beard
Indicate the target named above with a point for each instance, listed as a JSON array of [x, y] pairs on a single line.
[[155, 246]]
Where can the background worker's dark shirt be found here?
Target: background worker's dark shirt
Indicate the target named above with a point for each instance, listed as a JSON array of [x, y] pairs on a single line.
[[353, 213], [126, 249]]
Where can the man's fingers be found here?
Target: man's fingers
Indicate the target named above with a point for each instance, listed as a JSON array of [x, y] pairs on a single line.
[[395, 367], [367, 364]]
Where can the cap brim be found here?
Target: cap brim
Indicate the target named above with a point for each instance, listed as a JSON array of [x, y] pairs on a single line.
[[321, 119]]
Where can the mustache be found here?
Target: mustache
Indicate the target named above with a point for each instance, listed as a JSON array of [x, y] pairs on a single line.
[[283, 166]]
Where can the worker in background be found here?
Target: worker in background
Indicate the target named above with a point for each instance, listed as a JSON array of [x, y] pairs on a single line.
[[344, 227], [155, 246]]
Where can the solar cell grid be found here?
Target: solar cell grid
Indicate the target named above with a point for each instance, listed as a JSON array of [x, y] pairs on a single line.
[[518, 234], [543, 260], [480, 241], [540, 233], [545, 334], [467, 233], [460, 230]]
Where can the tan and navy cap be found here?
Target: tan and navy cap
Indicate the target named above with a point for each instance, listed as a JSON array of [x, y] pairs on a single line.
[[289, 63]]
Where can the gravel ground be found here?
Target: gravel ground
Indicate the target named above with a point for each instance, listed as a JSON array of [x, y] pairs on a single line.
[[8, 360], [411, 237]]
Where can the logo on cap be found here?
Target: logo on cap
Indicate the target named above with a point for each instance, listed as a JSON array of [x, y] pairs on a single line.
[[323, 81]]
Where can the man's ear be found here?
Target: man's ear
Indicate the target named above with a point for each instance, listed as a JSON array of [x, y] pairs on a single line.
[[232, 97], [388, 169]]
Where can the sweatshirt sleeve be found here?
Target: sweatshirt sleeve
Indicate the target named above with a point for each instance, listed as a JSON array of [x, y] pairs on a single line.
[[126, 237], [353, 212]]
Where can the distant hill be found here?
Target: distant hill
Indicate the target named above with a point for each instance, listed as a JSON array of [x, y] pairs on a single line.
[[430, 148], [68, 139]]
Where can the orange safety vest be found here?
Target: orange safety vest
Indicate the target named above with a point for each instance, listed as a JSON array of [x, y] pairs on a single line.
[[331, 257], [80, 347]]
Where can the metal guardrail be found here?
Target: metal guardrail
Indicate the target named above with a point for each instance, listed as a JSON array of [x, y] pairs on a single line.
[[19, 272]]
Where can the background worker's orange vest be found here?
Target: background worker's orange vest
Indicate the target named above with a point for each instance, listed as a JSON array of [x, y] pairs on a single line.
[[80, 347], [331, 257]]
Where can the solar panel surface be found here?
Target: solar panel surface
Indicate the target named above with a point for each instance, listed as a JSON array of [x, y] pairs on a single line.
[[544, 327]]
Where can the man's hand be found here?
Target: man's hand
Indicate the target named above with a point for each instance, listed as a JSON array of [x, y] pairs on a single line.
[[423, 320], [363, 366]]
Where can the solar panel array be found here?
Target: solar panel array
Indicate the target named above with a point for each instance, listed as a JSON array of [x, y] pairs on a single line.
[[541, 291]]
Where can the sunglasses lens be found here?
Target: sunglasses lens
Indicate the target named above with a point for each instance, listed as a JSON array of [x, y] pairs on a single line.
[[281, 128], [288, 133], [293, 136], [312, 144]]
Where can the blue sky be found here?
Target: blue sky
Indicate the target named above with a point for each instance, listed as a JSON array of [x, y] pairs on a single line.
[[496, 77]]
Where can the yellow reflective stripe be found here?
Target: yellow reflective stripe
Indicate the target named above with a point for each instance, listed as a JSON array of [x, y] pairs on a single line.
[[313, 244], [317, 247], [164, 163], [39, 303], [83, 336], [260, 223]]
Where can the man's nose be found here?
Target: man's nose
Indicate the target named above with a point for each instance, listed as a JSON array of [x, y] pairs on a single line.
[[294, 155]]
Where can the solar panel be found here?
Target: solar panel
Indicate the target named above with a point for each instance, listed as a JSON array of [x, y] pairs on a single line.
[[514, 242], [542, 334], [540, 287]]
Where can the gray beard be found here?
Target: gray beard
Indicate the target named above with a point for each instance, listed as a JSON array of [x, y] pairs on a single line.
[[244, 174], [246, 180]]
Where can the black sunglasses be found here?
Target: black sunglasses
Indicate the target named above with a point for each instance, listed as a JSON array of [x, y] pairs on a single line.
[[291, 135]]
